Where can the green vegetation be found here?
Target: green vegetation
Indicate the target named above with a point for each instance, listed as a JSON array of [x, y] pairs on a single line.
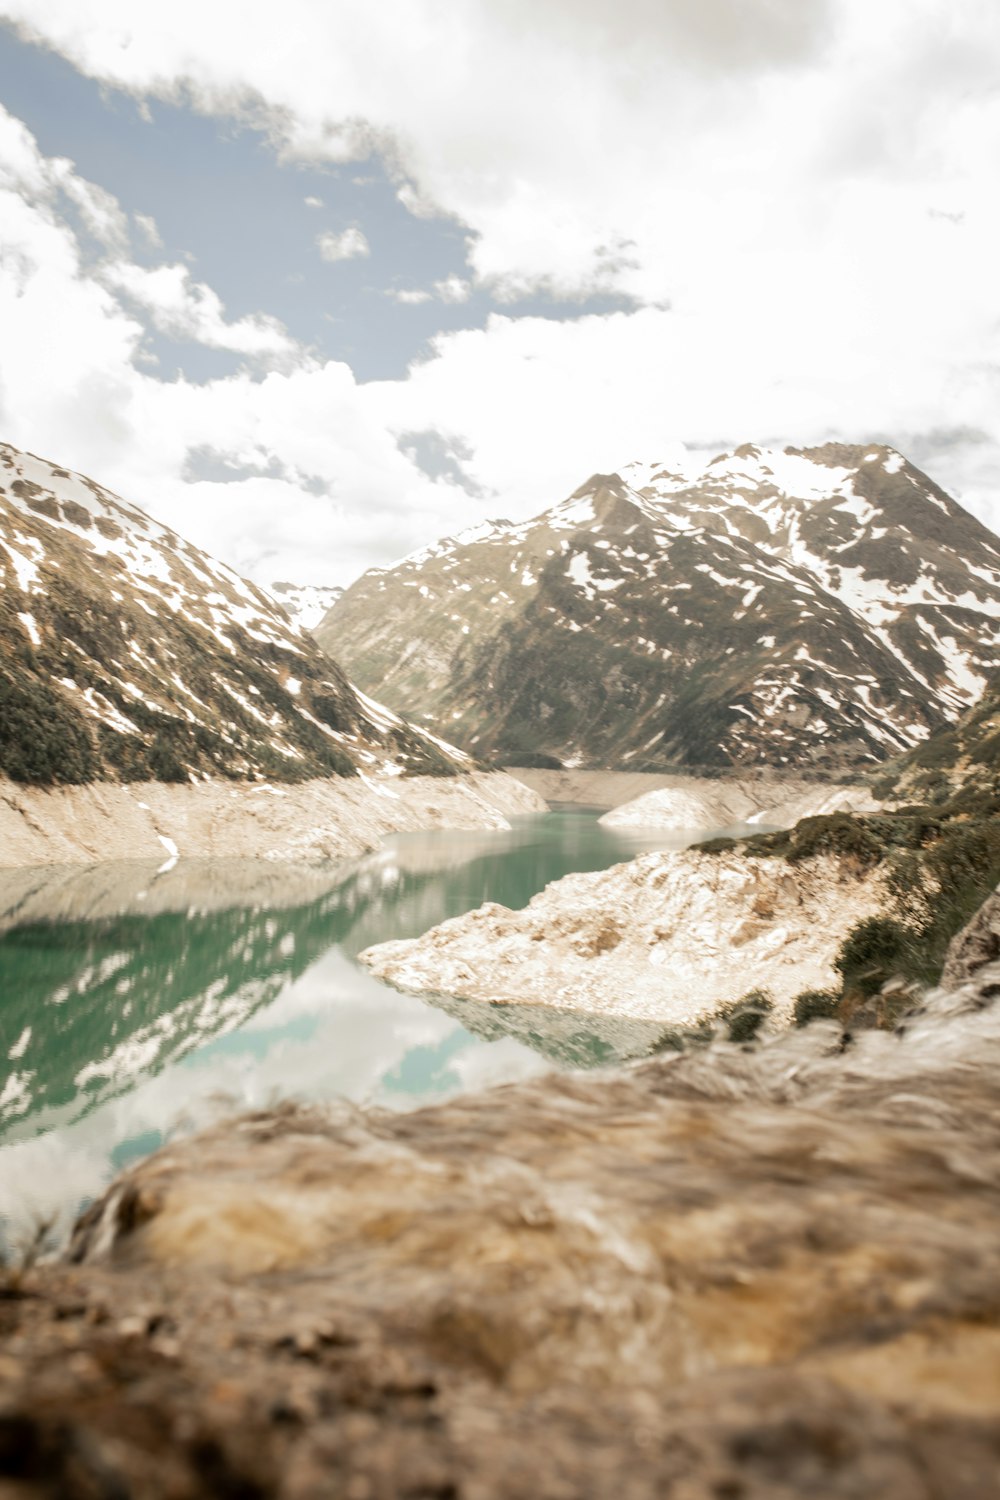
[[744, 1018], [42, 741], [529, 760], [419, 756], [815, 1005], [738, 1021]]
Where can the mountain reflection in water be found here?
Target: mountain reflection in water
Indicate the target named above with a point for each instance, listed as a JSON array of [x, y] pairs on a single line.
[[133, 997]]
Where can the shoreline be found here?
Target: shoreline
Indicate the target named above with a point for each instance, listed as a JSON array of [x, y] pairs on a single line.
[[306, 822]]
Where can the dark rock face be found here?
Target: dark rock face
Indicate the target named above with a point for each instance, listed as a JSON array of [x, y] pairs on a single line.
[[757, 1274], [127, 654], [823, 608]]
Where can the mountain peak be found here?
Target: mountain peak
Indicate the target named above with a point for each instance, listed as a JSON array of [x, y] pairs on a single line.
[[598, 482], [823, 607]]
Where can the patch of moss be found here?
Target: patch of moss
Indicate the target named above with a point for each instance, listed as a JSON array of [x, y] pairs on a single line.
[[743, 1019], [874, 951]]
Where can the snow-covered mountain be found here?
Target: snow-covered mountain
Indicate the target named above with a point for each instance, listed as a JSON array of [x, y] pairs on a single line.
[[127, 653], [824, 607], [305, 604]]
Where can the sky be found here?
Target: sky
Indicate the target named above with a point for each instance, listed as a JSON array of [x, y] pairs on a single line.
[[318, 289]]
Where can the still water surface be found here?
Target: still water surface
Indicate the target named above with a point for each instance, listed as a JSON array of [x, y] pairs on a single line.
[[135, 1001]]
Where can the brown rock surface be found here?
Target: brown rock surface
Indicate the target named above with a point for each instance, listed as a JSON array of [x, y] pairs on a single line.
[[729, 1276]]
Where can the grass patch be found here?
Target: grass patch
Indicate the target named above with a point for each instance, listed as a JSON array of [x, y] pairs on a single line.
[[737, 1021]]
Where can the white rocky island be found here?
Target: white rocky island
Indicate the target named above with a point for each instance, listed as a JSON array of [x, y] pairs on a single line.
[[668, 937]]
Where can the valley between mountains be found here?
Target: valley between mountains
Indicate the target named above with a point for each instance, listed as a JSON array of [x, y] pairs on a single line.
[[755, 641], [758, 1261]]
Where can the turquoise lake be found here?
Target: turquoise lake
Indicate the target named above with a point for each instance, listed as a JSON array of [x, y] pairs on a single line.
[[136, 1001]]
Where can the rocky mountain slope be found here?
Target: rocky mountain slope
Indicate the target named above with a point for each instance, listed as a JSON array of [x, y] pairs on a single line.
[[128, 654], [822, 608], [958, 766]]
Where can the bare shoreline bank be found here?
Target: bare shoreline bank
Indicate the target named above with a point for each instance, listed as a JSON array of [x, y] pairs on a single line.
[[310, 821]]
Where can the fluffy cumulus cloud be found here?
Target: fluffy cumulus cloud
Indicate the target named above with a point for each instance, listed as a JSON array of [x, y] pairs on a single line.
[[349, 244], [188, 310], [795, 198]]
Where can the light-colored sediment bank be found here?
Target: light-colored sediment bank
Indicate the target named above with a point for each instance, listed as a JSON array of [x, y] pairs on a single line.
[[315, 820], [668, 937], [774, 804], [643, 799]]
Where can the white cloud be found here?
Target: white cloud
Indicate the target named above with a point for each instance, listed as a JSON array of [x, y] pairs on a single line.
[[149, 230], [190, 310], [99, 210], [410, 296], [71, 389], [348, 245], [312, 201], [453, 289]]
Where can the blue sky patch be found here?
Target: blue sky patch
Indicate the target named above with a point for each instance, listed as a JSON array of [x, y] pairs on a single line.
[[254, 228]]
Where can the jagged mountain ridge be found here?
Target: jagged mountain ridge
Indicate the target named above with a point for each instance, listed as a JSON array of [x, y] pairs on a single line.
[[826, 607], [127, 653]]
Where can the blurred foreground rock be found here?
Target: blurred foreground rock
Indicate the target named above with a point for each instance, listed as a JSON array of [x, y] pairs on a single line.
[[733, 1275]]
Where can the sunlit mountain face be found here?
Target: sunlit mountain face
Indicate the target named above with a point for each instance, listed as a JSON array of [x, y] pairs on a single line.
[[821, 608]]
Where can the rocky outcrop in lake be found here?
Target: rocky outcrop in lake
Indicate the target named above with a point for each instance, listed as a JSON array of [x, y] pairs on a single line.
[[667, 937]]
